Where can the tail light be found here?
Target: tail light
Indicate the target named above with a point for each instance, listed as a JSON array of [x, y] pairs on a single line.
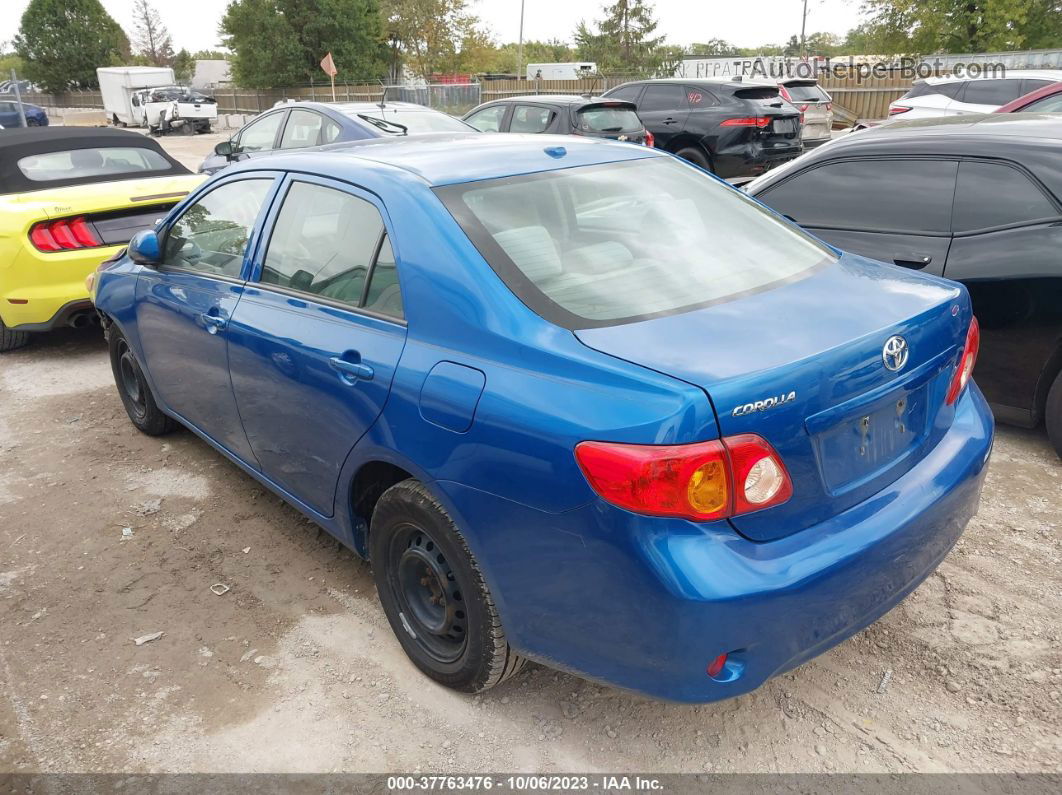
[[701, 481], [785, 93], [804, 108], [66, 234], [829, 106], [897, 109], [650, 141], [747, 121], [966, 363]]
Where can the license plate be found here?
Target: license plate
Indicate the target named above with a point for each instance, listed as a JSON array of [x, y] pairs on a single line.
[[784, 126]]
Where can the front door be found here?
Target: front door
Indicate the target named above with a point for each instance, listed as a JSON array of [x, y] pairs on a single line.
[[663, 109], [184, 306], [316, 338]]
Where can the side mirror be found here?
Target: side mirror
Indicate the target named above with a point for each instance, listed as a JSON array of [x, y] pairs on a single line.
[[144, 248], [224, 148]]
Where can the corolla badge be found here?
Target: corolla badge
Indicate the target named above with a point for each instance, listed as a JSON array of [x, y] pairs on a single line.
[[895, 352], [763, 405]]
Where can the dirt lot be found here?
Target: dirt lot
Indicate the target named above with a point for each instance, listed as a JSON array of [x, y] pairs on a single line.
[[296, 669]]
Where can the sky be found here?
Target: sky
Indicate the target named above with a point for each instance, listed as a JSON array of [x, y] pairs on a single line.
[[194, 23]]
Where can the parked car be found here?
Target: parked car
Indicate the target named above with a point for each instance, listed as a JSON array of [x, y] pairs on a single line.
[[35, 116], [564, 394], [561, 114], [731, 128], [1047, 99], [69, 198], [297, 125], [815, 106], [164, 108], [24, 87], [954, 96], [977, 199]]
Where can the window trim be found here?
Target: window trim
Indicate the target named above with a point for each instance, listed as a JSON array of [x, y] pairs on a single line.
[[1017, 224], [249, 253], [254, 278], [763, 195]]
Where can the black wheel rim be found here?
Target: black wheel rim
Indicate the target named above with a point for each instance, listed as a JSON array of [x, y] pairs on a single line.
[[425, 586], [132, 386]]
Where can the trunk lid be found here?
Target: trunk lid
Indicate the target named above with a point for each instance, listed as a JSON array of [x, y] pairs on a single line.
[[802, 365]]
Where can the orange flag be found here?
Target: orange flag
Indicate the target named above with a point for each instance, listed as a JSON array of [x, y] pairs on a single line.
[[329, 65]]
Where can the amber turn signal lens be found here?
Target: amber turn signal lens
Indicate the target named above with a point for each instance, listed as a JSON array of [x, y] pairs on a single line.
[[707, 491]]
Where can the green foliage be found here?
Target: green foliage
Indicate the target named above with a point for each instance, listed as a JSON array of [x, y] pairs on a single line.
[[437, 36], [623, 42], [958, 26], [63, 42], [552, 51], [150, 37], [282, 42], [713, 48], [9, 61], [183, 66]]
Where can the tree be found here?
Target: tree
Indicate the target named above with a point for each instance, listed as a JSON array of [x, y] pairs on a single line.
[[623, 42], [713, 48], [282, 42], [183, 66], [432, 33], [150, 37], [64, 41]]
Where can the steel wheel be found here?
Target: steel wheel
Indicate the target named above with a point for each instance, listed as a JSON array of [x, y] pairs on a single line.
[[130, 380]]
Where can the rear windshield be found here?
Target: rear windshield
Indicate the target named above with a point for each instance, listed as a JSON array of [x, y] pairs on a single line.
[[604, 119], [79, 163], [807, 93], [415, 121], [600, 245], [759, 92]]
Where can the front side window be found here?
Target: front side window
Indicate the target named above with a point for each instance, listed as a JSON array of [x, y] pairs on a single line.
[[530, 119], [91, 162], [303, 129], [598, 245], [258, 136], [993, 194], [663, 97], [488, 119], [325, 242], [211, 236], [909, 196]]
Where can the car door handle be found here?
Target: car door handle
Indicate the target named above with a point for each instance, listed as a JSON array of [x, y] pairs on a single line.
[[916, 262], [355, 370], [670, 120], [214, 323]]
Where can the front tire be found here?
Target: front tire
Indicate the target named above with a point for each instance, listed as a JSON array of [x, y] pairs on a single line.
[[133, 389], [695, 156], [1053, 414], [10, 340], [434, 595]]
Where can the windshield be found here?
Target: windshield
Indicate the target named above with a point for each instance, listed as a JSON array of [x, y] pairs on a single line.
[[599, 245], [79, 163], [806, 92], [608, 119], [415, 121]]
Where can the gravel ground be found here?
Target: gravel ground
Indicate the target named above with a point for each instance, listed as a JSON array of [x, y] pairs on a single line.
[[296, 669]]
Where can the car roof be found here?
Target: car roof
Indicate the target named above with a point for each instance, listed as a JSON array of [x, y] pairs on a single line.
[[1011, 74], [1037, 94], [558, 99], [978, 126], [447, 159], [708, 82], [353, 108]]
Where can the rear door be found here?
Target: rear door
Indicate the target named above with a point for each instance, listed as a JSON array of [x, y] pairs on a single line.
[[315, 341], [664, 109], [896, 210]]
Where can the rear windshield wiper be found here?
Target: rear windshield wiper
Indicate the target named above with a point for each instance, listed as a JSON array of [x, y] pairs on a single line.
[[383, 124]]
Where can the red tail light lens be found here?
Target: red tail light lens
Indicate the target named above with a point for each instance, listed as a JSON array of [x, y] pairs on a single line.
[[896, 109], [785, 93], [829, 106], [66, 234], [747, 121], [701, 481], [650, 141], [966, 363]]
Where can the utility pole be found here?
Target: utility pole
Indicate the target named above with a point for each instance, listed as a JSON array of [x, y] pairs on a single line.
[[803, 28], [520, 45]]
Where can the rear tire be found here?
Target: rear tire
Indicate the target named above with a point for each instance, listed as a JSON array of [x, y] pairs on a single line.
[[10, 340], [133, 389], [1053, 414], [697, 157], [434, 595]]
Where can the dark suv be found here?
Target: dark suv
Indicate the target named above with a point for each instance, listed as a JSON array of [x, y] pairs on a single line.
[[728, 127], [561, 114]]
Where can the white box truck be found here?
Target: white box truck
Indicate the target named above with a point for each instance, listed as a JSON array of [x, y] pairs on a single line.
[[561, 71], [118, 84]]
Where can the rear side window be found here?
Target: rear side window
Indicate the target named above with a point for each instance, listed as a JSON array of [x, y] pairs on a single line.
[[991, 91], [303, 129], [993, 194], [598, 245], [323, 243], [663, 97], [605, 119], [530, 119], [1031, 84], [873, 195]]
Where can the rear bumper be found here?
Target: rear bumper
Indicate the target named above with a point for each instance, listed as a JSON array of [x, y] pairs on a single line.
[[646, 603], [45, 286], [753, 158]]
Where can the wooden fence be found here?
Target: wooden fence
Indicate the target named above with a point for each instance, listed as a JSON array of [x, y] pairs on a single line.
[[865, 98]]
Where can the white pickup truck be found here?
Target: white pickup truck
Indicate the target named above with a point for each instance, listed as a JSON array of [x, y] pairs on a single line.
[[166, 108]]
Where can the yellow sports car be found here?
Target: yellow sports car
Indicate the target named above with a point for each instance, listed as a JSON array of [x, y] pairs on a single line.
[[70, 198]]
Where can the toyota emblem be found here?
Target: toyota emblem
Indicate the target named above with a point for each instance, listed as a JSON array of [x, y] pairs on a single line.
[[894, 354]]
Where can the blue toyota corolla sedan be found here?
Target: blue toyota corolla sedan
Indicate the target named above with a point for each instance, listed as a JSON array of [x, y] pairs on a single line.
[[576, 401]]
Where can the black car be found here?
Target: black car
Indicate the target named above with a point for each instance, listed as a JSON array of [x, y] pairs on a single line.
[[728, 127], [561, 114], [973, 198]]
